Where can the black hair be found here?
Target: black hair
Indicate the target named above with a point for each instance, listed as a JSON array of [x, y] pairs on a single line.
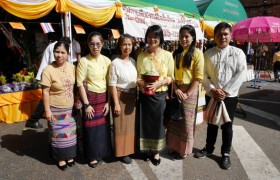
[[65, 39], [222, 25], [187, 60], [278, 48], [120, 41], [142, 44], [61, 43], [158, 32], [94, 33], [52, 37]]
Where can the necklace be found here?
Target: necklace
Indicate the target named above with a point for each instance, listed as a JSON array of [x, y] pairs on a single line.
[[153, 55], [62, 69]]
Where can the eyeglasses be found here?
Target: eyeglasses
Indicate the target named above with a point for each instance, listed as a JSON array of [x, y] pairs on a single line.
[[94, 44], [153, 37]]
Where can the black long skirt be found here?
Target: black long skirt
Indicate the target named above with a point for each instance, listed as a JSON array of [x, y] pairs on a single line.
[[152, 134]]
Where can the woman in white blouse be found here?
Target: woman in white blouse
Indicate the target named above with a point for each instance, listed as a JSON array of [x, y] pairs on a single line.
[[123, 76]]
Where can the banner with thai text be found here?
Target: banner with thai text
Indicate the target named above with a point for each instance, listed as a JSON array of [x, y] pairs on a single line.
[[137, 20]]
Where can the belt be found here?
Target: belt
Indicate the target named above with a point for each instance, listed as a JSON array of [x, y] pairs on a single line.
[[129, 90]]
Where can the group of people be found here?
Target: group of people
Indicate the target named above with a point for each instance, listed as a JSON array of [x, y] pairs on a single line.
[[138, 117]]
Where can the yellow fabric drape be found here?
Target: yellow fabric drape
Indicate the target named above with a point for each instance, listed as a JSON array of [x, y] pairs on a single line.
[[95, 17], [202, 24], [28, 11], [209, 30], [18, 106]]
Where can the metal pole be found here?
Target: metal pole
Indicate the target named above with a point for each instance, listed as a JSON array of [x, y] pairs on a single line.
[[68, 33], [62, 25]]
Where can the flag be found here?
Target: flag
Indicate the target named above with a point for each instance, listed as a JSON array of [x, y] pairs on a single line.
[[17, 25], [79, 29], [47, 27]]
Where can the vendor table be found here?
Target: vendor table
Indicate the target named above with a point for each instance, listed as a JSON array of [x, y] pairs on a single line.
[[18, 106]]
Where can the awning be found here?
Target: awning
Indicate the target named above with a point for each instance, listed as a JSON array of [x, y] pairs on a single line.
[[188, 7], [96, 13], [230, 11]]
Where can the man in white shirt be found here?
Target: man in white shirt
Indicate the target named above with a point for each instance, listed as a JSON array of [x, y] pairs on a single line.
[[224, 72], [76, 49]]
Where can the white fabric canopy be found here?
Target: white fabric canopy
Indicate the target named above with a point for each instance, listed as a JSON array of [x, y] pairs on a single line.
[[94, 4], [28, 1]]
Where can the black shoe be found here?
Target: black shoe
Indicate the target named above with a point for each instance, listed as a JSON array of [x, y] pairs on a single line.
[[226, 163], [172, 153], [202, 153], [155, 161], [63, 167], [126, 160], [35, 125], [178, 157], [70, 164], [93, 165], [147, 157]]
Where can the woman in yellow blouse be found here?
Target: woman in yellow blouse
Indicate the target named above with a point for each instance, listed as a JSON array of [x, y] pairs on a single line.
[[160, 62], [57, 81], [189, 64], [93, 71], [276, 64]]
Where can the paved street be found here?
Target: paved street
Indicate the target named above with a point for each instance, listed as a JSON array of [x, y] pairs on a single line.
[[255, 152]]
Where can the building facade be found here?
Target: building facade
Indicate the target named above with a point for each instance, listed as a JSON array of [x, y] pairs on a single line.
[[255, 8]]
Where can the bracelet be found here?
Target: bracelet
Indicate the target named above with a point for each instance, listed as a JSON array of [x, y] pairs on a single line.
[[86, 105]]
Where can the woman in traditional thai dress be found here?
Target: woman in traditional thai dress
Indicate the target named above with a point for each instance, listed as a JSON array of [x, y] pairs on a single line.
[[92, 73], [189, 63], [123, 77], [58, 80], [154, 60]]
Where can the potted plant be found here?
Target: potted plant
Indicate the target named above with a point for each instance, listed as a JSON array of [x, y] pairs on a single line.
[[5, 87], [3, 80], [18, 78]]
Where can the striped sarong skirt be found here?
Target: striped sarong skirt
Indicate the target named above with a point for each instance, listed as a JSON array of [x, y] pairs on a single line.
[[180, 133], [96, 132], [152, 133], [62, 133]]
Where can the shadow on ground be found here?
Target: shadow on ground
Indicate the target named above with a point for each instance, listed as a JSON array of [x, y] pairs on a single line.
[[266, 100], [30, 143]]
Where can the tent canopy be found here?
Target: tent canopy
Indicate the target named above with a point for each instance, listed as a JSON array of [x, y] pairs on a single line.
[[221, 10], [188, 7], [94, 12]]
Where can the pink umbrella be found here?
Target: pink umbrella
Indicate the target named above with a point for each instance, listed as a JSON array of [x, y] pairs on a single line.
[[258, 29]]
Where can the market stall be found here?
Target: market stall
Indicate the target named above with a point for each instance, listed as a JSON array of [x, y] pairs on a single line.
[[18, 106]]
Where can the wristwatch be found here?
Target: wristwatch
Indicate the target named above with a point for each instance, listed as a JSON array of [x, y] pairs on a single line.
[[86, 105]]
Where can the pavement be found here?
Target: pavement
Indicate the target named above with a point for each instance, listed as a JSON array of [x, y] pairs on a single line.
[[255, 151]]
